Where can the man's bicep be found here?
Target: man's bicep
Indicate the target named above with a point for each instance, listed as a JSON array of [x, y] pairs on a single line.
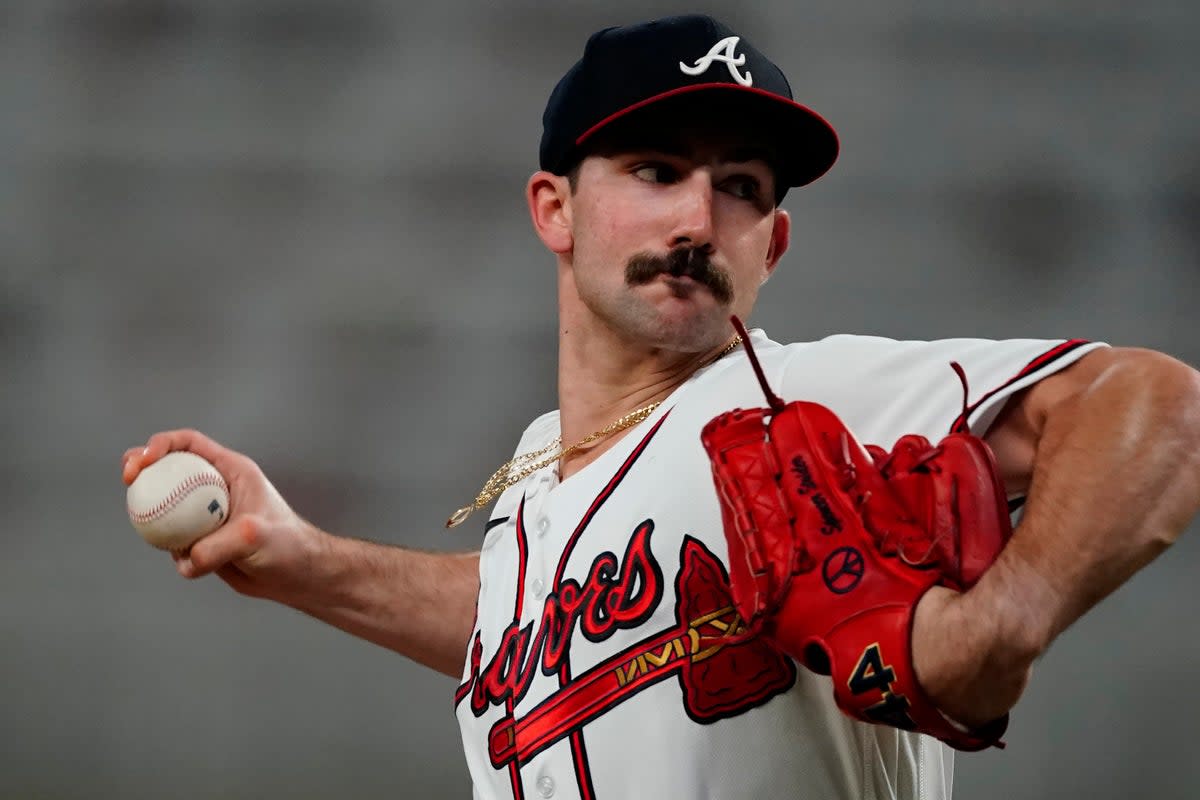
[[1014, 435], [1013, 440]]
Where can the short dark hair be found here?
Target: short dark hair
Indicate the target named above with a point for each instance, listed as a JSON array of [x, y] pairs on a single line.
[[573, 176]]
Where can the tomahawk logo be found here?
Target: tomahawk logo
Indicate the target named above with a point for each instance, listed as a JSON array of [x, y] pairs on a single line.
[[721, 51]]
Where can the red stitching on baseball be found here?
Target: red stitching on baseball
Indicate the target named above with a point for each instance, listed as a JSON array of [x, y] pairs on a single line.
[[189, 484]]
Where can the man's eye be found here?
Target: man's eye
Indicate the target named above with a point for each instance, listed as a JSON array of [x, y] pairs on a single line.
[[743, 187], [655, 173]]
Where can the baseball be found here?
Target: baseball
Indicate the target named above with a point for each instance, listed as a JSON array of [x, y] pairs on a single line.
[[176, 500]]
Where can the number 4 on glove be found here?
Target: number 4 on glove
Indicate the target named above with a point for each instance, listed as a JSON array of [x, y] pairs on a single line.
[[832, 545]]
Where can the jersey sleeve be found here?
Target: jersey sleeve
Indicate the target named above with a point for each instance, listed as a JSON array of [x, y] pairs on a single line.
[[886, 388]]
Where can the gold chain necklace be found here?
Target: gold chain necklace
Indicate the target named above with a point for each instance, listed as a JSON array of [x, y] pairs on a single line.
[[522, 466]]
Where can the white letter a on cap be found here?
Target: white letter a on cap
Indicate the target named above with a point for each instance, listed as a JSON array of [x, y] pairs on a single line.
[[721, 51]]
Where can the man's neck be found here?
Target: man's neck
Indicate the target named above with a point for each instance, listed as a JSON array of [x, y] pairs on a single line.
[[603, 377]]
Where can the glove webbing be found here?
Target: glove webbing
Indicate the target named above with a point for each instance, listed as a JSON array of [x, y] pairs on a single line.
[[750, 487]]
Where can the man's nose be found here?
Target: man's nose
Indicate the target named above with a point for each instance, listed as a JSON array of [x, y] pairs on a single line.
[[694, 214]]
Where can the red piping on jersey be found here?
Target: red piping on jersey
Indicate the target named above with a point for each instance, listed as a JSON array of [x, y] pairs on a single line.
[[583, 773], [605, 493], [522, 557], [1043, 360], [578, 749], [465, 688], [514, 769]]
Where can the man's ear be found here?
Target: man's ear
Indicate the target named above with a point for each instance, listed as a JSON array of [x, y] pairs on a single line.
[[549, 198], [781, 233]]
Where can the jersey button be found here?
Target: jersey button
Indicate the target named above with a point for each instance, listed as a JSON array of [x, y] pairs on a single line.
[[537, 586], [545, 786], [543, 525]]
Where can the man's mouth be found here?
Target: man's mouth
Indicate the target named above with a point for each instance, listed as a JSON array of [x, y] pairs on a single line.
[[683, 269], [682, 285]]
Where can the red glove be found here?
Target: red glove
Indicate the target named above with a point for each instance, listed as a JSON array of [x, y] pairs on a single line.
[[832, 545]]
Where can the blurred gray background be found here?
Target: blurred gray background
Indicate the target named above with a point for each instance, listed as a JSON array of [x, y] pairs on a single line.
[[299, 226]]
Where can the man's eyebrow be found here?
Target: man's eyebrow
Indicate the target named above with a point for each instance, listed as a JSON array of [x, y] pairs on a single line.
[[735, 154], [741, 155], [667, 147]]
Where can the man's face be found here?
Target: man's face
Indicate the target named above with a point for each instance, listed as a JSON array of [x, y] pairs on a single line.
[[674, 233]]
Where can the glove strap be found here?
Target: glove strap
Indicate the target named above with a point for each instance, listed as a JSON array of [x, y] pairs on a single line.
[[879, 685]]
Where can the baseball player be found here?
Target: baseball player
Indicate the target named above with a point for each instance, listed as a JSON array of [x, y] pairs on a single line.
[[601, 636]]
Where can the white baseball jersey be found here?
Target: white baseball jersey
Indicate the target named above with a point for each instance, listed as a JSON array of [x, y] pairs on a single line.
[[585, 676]]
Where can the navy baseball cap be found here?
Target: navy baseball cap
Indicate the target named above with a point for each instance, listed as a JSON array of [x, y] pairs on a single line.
[[684, 66]]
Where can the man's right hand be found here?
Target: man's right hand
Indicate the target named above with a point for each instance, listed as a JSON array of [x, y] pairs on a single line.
[[264, 549], [416, 603]]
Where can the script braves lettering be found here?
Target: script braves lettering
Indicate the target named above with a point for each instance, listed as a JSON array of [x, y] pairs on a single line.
[[720, 673], [617, 594]]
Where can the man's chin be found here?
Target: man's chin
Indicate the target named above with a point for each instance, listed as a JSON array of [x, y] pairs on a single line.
[[691, 323]]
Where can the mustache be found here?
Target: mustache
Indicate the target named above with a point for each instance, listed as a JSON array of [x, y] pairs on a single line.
[[689, 262]]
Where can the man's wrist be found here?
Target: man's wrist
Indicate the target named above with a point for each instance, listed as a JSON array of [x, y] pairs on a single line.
[[965, 659], [323, 578]]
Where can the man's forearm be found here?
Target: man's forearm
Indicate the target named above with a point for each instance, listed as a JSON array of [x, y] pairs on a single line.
[[1116, 479], [418, 604]]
